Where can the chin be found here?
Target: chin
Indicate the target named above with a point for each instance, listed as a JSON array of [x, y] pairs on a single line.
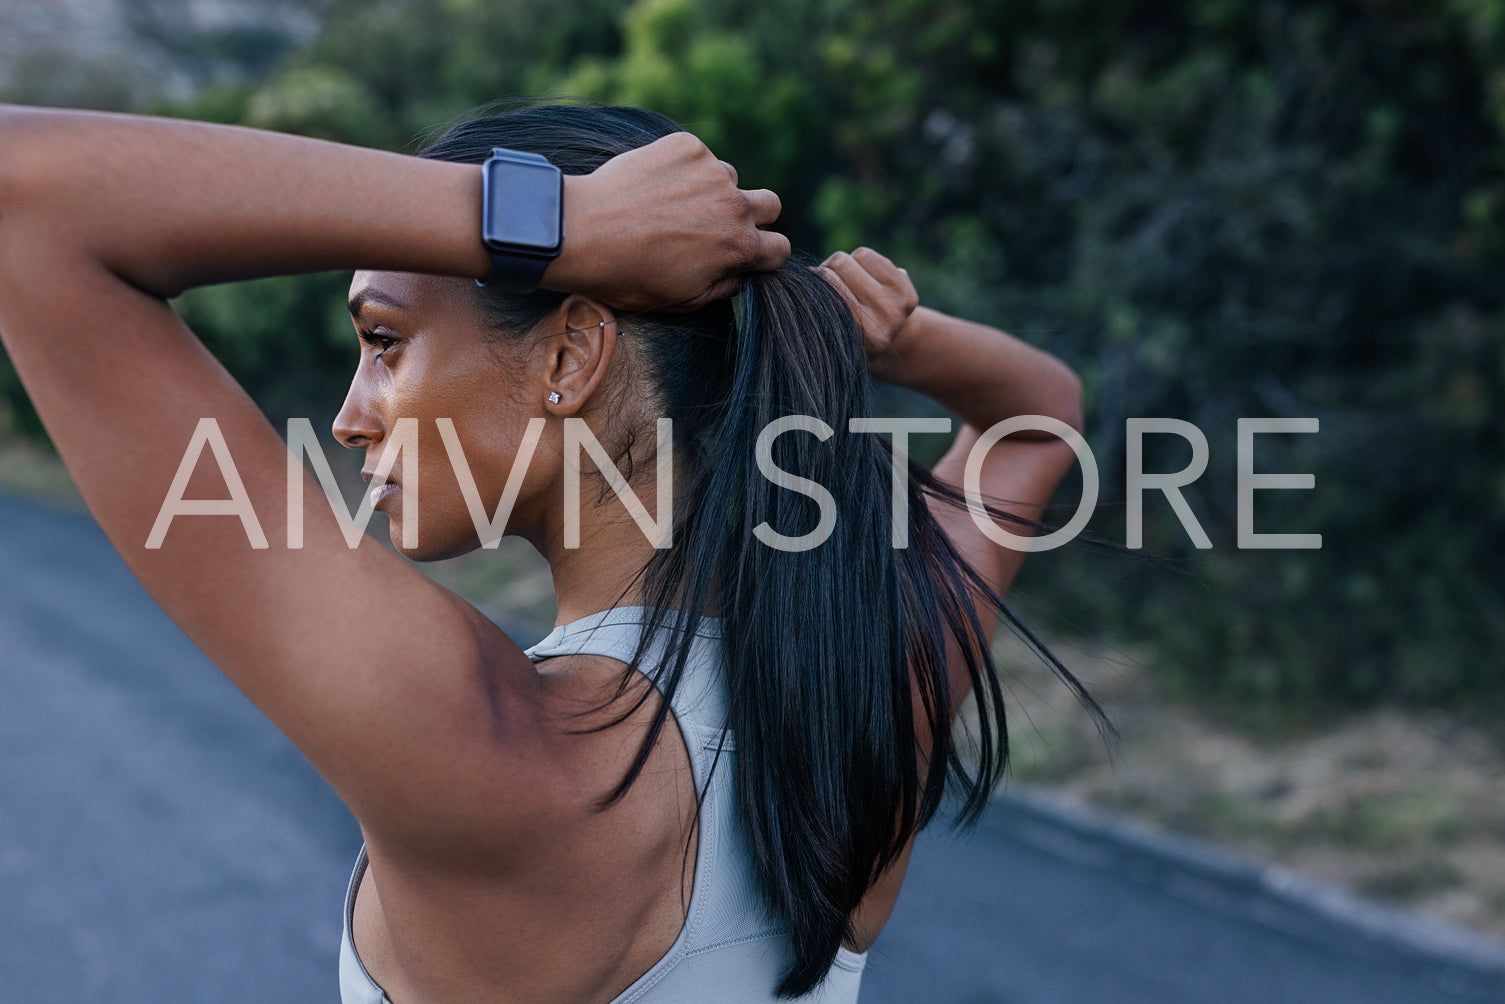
[[432, 546], [432, 552]]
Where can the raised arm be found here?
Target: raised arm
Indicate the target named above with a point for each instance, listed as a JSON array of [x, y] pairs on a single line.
[[395, 689], [983, 376], [166, 204]]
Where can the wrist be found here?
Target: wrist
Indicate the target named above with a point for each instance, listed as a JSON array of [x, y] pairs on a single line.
[[569, 272], [522, 218], [910, 354]]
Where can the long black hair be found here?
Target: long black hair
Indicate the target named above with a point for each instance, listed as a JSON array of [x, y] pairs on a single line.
[[840, 700]]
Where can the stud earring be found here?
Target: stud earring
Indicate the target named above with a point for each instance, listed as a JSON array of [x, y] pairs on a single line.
[[553, 397]]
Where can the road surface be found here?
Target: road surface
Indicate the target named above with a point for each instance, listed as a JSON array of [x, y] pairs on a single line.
[[161, 842]]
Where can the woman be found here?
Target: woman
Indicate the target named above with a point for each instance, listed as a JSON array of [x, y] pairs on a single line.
[[706, 782]]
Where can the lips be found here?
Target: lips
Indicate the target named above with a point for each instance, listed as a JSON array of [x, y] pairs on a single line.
[[380, 493]]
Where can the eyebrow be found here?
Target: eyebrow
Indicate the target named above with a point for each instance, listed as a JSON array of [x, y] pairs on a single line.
[[359, 300]]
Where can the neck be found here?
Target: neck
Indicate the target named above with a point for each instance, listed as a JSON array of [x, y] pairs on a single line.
[[604, 571]]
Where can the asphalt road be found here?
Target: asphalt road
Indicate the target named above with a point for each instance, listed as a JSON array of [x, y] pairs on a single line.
[[161, 842]]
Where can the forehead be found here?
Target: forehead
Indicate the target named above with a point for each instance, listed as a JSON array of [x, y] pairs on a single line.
[[372, 291]]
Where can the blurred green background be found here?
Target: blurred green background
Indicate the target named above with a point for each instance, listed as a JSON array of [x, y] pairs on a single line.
[[1211, 209]]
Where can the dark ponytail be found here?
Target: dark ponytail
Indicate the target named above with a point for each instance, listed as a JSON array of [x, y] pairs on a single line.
[[835, 646], [840, 699]]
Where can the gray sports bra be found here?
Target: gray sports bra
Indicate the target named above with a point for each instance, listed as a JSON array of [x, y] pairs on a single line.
[[730, 949]]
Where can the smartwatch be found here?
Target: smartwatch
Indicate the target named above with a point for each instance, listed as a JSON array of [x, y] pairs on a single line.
[[522, 218]]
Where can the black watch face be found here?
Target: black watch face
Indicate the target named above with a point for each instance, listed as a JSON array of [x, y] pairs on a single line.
[[522, 207]]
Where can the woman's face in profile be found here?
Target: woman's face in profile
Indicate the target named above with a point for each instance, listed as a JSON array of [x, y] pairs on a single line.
[[425, 355]]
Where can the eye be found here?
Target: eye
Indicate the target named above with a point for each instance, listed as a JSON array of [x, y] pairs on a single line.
[[380, 342]]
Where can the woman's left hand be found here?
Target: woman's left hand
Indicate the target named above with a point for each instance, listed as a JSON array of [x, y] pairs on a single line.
[[882, 299]]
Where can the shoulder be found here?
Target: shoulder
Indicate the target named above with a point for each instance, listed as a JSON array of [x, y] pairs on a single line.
[[536, 756]]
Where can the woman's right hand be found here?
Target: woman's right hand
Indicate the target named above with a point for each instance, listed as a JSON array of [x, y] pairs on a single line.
[[664, 227], [882, 299]]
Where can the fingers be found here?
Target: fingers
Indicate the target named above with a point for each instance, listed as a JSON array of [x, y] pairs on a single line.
[[872, 260], [773, 249], [718, 291], [884, 275], [770, 249], [831, 276], [864, 286], [875, 264], [763, 206], [880, 268], [864, 296]]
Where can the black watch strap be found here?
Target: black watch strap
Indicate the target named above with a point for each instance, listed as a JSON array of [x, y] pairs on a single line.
[[514, 273]]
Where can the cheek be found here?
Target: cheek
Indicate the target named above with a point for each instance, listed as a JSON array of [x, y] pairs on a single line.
[[474, 454], [471, 423], [511, 452]]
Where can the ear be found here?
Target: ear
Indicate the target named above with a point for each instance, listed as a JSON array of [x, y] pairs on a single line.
[[575, 353]]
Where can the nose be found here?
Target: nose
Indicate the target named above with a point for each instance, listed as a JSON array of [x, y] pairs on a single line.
[[357, 426]]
